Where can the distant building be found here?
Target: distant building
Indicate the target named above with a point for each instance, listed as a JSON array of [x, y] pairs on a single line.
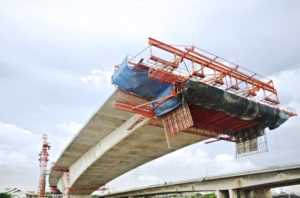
[[18, 193], [286, 196]]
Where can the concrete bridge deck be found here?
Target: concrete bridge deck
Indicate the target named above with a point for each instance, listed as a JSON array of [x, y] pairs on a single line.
[[111, 143]]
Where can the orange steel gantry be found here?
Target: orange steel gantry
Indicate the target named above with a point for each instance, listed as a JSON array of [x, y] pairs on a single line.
[[174, 65], [220, 70]]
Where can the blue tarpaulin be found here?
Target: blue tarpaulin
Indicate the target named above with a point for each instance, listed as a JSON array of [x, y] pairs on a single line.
[[136, 81]]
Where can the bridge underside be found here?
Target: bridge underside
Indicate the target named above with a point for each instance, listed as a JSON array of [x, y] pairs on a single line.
[[93, 159], [144, 145]]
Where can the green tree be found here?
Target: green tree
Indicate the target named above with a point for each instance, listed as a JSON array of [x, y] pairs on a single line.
[[48, 194], [211, 195], [5, 195]]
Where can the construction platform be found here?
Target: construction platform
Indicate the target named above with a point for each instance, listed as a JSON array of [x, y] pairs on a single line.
[[191, 90]]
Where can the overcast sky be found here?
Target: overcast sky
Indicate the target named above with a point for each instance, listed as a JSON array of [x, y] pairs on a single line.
[[56, 58]]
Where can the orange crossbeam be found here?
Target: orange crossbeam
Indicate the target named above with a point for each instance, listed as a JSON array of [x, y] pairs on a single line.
[[148, 114], [157, 59]]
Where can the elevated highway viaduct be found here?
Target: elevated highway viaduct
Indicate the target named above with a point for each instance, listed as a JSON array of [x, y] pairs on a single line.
[[253, 184], [110, 144]]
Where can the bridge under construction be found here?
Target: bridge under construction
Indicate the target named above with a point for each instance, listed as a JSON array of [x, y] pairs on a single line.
[[168, 97]]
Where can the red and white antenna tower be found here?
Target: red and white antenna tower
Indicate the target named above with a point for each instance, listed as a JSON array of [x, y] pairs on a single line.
[[43, 166]]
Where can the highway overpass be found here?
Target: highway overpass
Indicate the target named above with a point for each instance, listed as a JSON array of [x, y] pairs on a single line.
[[115, 141], [110, 144], [253, 184]]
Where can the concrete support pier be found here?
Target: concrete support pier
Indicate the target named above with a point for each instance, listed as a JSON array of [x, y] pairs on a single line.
[[260, 193], [240, 193]]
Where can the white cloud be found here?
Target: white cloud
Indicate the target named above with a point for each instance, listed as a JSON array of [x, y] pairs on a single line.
[[227, 163], [184, 164], [97, 78], [194, 159], [96, 19], [12, 129], [287, 83], [13, 137], [19, 150], [69, 127]]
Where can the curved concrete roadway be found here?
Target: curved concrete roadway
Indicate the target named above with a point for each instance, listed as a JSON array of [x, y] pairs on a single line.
[[109, 145]]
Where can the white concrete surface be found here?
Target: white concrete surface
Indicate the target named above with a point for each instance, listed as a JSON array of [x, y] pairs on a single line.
[[105, 149]]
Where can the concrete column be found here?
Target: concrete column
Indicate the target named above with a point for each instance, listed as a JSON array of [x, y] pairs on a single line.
[[241, 193], [233, 193], [262, 193], [222, 194], [236, 193], [249, 193]]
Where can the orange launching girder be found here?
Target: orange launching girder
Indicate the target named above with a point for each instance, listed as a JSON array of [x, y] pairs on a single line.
[[219, 68], [188, 64]]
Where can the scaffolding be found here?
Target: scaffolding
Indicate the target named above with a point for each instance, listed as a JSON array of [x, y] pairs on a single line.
[[170, 69]]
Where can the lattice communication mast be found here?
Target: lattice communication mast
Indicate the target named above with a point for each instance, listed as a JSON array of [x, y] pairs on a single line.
[[44, 154]]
